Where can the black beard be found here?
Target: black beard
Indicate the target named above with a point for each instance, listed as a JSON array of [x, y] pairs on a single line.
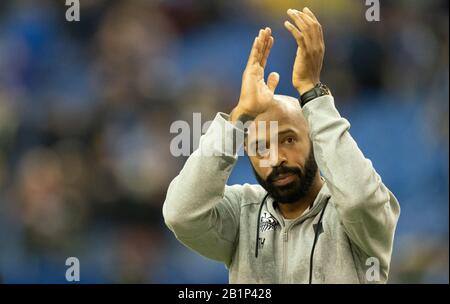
[[297, 189]]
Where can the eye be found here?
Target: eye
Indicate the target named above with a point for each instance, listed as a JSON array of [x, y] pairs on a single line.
[[262, 150], [289, 140]]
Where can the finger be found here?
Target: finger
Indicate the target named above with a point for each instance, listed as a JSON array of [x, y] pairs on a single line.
[[264, 41], [307, 11], [299, 22], [265, 38], [253, 57], [307, 24], [295, 33], [314, 28], [272, 81], [321, 33], [256, 50], [306, 18], [267, 52], [260, 44]]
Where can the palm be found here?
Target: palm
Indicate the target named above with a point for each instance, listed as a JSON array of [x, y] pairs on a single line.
[[256, 94], [308, 34], [298, 72], [255, 90]]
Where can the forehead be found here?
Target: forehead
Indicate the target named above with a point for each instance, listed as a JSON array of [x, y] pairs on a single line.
[[287, 114]]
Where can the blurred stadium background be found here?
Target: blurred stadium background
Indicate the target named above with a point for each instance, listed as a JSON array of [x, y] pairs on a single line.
[[85, 111]]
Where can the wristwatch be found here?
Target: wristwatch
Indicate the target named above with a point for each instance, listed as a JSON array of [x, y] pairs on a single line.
[[319, 90]]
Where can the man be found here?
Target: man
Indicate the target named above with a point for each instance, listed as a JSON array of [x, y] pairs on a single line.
[[299, 226]]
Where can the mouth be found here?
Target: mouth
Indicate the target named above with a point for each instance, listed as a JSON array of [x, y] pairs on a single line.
[[284, 179]]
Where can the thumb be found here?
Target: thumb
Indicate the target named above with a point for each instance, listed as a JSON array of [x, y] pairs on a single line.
[[272, 81]]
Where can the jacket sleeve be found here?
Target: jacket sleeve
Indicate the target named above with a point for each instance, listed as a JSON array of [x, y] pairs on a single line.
[[367, 209], [200, 209]]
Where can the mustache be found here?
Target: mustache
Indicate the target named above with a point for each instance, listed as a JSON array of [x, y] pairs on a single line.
[[277, 171]]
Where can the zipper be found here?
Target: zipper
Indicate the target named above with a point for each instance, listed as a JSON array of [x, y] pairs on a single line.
[[285, 237], [285, 244]]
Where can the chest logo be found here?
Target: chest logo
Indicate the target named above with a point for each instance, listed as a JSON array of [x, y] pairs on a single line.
[[267, 222]]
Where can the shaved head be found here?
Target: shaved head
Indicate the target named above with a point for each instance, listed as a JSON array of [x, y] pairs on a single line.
[[286, 111], [285, 108]]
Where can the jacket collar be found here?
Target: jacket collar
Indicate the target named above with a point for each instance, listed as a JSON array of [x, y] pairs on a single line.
[[319, 202]]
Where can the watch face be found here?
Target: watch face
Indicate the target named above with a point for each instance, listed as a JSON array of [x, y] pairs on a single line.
[[324, 90], [322, 87]]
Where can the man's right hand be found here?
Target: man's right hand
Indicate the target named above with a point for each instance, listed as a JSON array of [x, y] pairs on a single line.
[[256, 95]]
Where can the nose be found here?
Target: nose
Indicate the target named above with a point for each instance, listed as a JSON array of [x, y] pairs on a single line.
[[276, 157]]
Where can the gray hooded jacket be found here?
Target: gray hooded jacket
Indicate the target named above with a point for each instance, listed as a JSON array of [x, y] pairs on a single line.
[[345, 237]]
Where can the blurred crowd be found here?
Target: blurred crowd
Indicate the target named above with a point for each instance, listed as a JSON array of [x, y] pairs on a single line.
[[86, 108]]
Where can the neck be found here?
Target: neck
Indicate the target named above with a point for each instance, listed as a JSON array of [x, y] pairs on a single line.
[[296, 209]]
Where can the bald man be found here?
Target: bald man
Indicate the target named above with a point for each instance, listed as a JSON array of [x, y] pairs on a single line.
[[321, 213]]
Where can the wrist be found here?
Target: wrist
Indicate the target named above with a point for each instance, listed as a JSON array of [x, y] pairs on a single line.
[[319, 90], [241, 115], [306, 86]]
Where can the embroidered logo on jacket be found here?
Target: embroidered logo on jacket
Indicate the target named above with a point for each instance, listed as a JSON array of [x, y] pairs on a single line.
[[267, 222]]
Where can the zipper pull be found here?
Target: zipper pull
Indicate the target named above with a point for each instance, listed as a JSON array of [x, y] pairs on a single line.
[[285, 236]]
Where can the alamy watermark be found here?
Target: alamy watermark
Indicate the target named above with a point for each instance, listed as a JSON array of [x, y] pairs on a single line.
[[73, 271], [373, 270], [261, 139], [73, 12], [373, 12]]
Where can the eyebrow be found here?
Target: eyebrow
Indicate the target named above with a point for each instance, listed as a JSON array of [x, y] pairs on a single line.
[[286, 131]]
